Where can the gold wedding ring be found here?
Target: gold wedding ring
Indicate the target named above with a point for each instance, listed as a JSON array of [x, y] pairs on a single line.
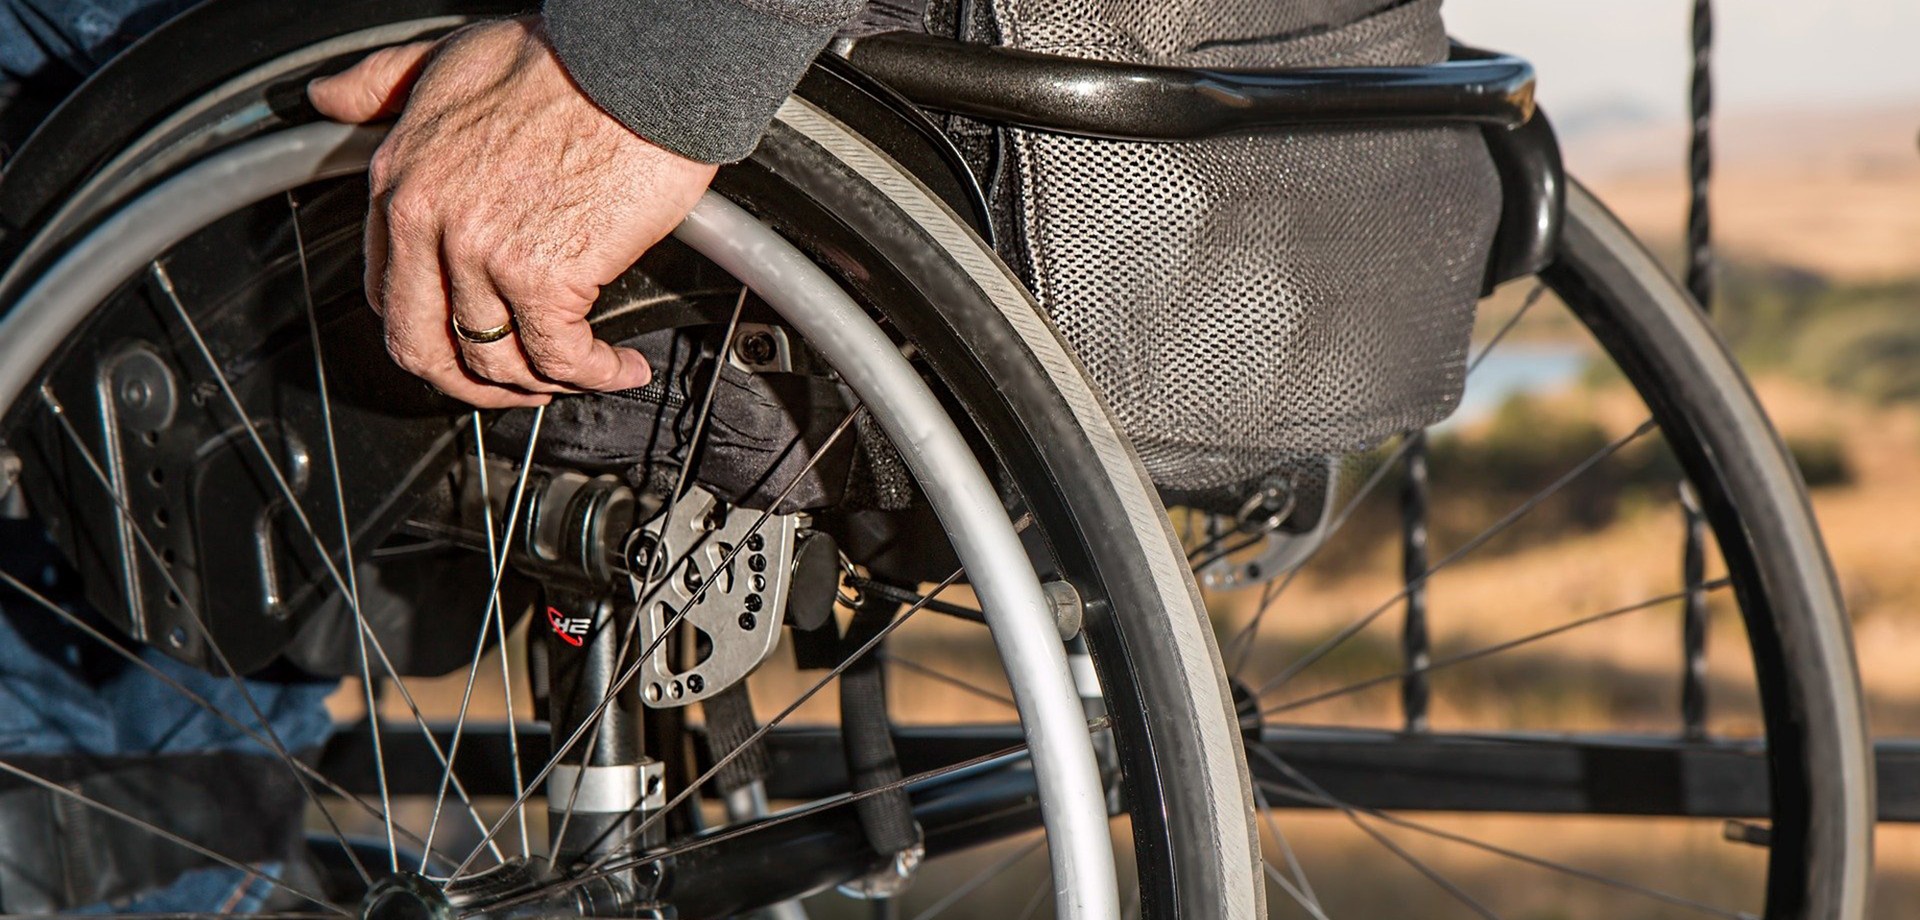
[[482, 336]]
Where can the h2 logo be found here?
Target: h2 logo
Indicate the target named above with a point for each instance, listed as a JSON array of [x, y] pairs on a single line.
[[571, 630]]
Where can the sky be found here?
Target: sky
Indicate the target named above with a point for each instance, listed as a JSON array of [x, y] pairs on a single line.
[[1771, 55]]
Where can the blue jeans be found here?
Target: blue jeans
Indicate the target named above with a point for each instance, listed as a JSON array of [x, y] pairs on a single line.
[[63, 691], [48, 46], [59, 42]]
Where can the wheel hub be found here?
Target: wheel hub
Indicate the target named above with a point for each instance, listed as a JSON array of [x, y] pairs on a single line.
[[406, 896]]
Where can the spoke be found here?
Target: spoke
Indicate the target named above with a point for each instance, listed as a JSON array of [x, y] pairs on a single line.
[[1494, 649], [1353, 816], [794, 814], [900, 595], [1244, 639], [694, 444], [945, 678], [1313, 909], [164, 834], [1241, 646], [272, 738], [498, 561], [346, 531], [300, 767], [979, 878], [1300, 890], [1242, 643], [302, 773], [499, 618], [165, 282], [1497, 850], [1533, 297], [793, 707], [633, 669], [1478, 540]]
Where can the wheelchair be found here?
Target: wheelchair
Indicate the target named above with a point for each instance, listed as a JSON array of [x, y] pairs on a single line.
[[878, 456]]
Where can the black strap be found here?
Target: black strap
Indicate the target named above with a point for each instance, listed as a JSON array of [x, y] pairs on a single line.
[[867, 733], [58, 853], [730, 722]]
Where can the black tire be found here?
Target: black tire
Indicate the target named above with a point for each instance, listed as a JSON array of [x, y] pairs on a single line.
[[1818, 748]]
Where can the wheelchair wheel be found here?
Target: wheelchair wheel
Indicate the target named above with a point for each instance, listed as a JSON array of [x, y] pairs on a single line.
[[200, 410], [1463, 667]]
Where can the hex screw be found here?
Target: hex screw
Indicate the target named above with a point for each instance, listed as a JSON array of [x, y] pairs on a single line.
[[696, 683], [747, 622], [135, 393], [756, 348], [640, 555]]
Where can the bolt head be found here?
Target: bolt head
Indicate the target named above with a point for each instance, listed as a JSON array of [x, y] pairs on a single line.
[[640, 555], [135, 393], [757, 348]]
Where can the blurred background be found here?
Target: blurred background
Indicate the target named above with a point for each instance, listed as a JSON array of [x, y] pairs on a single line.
[[1817, 221], [1816, 210]]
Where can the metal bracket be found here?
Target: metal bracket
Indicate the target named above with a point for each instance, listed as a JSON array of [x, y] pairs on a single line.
[[610, 789], [761, 348], [739, 610], [1280, 551]]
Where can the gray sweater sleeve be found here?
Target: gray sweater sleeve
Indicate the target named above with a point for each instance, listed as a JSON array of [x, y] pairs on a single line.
[[701, 78]]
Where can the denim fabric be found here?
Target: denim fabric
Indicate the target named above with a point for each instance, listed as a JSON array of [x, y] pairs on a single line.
[[59, 695], [48, 46], [215, 890], [62, 691], [52, 42]]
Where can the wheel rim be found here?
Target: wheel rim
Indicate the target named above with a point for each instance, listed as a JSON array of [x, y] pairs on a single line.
[[47, 314]]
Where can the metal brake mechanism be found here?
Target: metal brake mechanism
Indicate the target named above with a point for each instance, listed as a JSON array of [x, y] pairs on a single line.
[[738, 615], [1278, 552]]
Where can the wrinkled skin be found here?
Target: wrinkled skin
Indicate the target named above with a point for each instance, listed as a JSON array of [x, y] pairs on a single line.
[[503, 192]]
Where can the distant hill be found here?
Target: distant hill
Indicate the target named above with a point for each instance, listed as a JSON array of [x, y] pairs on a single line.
[[1834, 192]]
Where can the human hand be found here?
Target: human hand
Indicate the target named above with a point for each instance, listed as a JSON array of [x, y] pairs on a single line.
[[503, 195]]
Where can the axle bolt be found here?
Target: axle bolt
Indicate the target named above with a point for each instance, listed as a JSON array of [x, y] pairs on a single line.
[[757, 348], [640, 555]]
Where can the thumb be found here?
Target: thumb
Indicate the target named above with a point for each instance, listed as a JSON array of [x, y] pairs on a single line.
[[373, 89]]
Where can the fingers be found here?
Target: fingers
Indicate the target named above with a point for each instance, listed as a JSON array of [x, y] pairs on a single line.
[[374, 89], [414, 299], [420, 281], [477, 305], [375, 245], [560, 346]]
